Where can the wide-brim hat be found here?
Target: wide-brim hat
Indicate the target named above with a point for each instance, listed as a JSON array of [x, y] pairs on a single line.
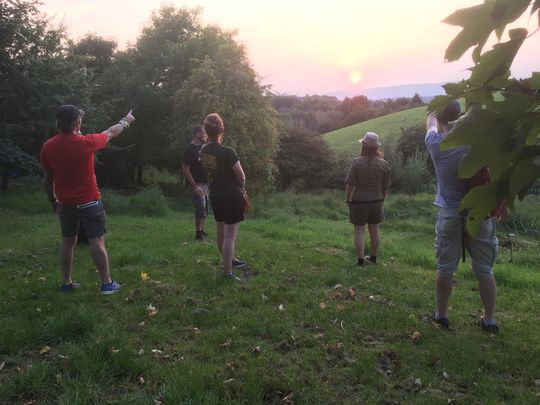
[[370, 139]]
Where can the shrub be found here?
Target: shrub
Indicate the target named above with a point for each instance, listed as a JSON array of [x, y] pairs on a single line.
[[409, 176]]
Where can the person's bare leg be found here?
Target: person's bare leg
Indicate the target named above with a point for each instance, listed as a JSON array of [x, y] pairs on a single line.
[[67, 246], [229, 240], [374, 238], [220, 230], [488, 292], [100, 258], [359, 240], [199, 224], [443, 289]]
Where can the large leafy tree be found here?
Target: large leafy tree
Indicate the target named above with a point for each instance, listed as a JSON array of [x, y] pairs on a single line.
[[35, 76], [502, 122]]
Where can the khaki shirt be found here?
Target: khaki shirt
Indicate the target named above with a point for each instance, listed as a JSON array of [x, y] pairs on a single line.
[[370, 177]]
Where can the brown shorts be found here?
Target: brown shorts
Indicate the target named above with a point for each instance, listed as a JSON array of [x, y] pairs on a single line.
[[361, 213]]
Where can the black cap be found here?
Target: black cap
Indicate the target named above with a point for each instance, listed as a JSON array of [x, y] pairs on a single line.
[[67, 114], [450, 113]]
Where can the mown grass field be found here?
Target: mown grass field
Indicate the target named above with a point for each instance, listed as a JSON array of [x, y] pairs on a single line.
[[306, 327], [388, 127]]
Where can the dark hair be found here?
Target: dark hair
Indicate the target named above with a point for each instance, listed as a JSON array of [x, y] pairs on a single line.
[[197, 130], [450, 113], [213, 125], [371, 151], [66, 117]]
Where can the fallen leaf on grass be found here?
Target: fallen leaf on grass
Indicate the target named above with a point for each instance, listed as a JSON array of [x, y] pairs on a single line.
[[227, 344], [151, 310], [140, 352], [281, 307], [232, 366], [63, 357], [156, 351], [288, 399], [230, 380], [340, 308], [264, 298], [418, 382], [144, 276], [256, 350], [45, 349], [2, 365], [113, 350], [416, 337], [141, 380], [41, 278], [352, 293], [322, 305], [445, 375], [141, 324], [536, 382]]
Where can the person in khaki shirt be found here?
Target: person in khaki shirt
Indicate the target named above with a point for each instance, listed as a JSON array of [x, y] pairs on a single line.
[[368, 182]]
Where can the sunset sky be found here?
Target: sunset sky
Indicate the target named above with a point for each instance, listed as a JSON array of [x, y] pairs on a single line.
[[312, 46]]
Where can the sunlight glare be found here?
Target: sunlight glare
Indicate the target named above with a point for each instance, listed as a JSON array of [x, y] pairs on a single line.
[[356, 77]]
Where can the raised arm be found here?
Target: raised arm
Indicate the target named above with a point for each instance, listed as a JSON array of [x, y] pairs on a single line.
[[431, 122], [117, 129]]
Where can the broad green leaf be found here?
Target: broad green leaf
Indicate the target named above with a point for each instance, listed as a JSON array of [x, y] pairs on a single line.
[[525, 172], [480, 201], [456, 90], [534, 133], [439, 103], [496, 63], [477, 26], [486, 133], [511, 106], [507, 11]]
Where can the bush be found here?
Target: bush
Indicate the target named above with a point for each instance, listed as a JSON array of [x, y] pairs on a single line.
[[412, 175], [149, 203]]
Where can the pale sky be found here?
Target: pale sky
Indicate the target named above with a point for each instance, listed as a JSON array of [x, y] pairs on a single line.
[[312, 46]]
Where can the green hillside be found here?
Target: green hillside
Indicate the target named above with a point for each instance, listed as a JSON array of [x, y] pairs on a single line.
[[387, 127]]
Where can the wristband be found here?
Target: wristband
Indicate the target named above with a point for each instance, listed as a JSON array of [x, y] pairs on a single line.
[[124, 122]]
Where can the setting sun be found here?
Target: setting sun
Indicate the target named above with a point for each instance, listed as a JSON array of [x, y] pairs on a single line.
[[356, 77]]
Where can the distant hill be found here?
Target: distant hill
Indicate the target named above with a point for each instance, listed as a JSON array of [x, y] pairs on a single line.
[[388, 127], [426, 91]]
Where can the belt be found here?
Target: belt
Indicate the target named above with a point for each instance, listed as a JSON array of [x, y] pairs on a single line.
[[87, 205]]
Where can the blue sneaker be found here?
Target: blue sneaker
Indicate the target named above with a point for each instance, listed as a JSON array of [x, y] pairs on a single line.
[[237, 264], [107, 289], [65, 288]]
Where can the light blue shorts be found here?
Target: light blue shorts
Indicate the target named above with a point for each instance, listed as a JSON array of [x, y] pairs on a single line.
[[482, 248]]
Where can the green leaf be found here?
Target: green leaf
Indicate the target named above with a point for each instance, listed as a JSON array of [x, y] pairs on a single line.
[[480, 201], [477, 26], [439, 103], [456, 90], [496, 63], [534, 133], [486, 133], [525, 172]]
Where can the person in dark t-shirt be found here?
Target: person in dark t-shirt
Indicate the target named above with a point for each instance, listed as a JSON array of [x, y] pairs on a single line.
[[195, 175], [227, 180]]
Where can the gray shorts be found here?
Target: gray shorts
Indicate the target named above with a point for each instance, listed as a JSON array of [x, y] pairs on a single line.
[[201, 203], [366, 213], [482, 248], [91, 215]]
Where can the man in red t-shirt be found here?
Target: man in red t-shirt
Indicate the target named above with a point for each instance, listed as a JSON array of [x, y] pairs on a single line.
[[68, 163]]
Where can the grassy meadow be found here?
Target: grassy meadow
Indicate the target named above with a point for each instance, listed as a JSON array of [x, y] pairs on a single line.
[[388, 127], [307, 326]]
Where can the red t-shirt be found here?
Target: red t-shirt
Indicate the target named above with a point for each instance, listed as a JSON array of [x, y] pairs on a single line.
[[70, 159]]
